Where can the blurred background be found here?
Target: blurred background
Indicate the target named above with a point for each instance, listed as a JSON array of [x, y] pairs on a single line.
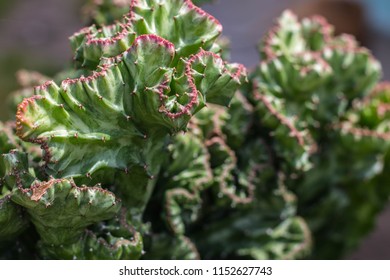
[[34, 36]]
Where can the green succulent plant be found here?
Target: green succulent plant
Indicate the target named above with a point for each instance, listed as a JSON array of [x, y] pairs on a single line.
[[153, 147], [319, 86], [111, 125]]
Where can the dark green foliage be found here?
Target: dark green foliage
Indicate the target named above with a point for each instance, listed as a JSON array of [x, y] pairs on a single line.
[[321, 85]]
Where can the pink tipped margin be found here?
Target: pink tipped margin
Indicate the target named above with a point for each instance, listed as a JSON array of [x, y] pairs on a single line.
[[128, 21], [20, 115]]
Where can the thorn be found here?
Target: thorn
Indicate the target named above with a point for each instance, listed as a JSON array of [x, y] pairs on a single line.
[[89, 175], [104, 139], [76, 135], [128, 118], [126, 170]]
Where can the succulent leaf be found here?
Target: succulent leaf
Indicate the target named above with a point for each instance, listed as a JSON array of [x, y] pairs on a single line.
[[331, 105], [133, 93], [165, 247], [188, 174], [61, 211], [304, 62], [179, 21], [114, 239]]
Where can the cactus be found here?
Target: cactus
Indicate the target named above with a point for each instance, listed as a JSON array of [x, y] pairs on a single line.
[[153, 147], [111, 125], [230, 191], [104, 12], [319, 86]]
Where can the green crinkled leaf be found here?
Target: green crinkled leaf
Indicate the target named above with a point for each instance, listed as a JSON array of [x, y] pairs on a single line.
[[211, 74], [106, 11], [306, 64], [373, 113], [227, 181], [355, 71], [284, 38], [294, 77], [289, 240], [89, 122], [235, 123], [291, 139], [165, 247], [179, 21], [267, 228], [187, 175], [115, 239], [61, 211], [365, 134], [27, 80]]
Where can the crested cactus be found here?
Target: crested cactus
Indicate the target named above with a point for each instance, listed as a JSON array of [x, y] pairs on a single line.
[[319, 87], [104, 12], [140, 83], [153, 147]]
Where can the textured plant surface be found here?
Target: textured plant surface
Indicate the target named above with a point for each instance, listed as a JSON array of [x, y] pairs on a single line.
[[137, 82], [154, 147], [321, 90]]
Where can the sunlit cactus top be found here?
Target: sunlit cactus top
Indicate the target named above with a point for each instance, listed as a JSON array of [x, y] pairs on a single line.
[[155, 69], [182, 23]]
